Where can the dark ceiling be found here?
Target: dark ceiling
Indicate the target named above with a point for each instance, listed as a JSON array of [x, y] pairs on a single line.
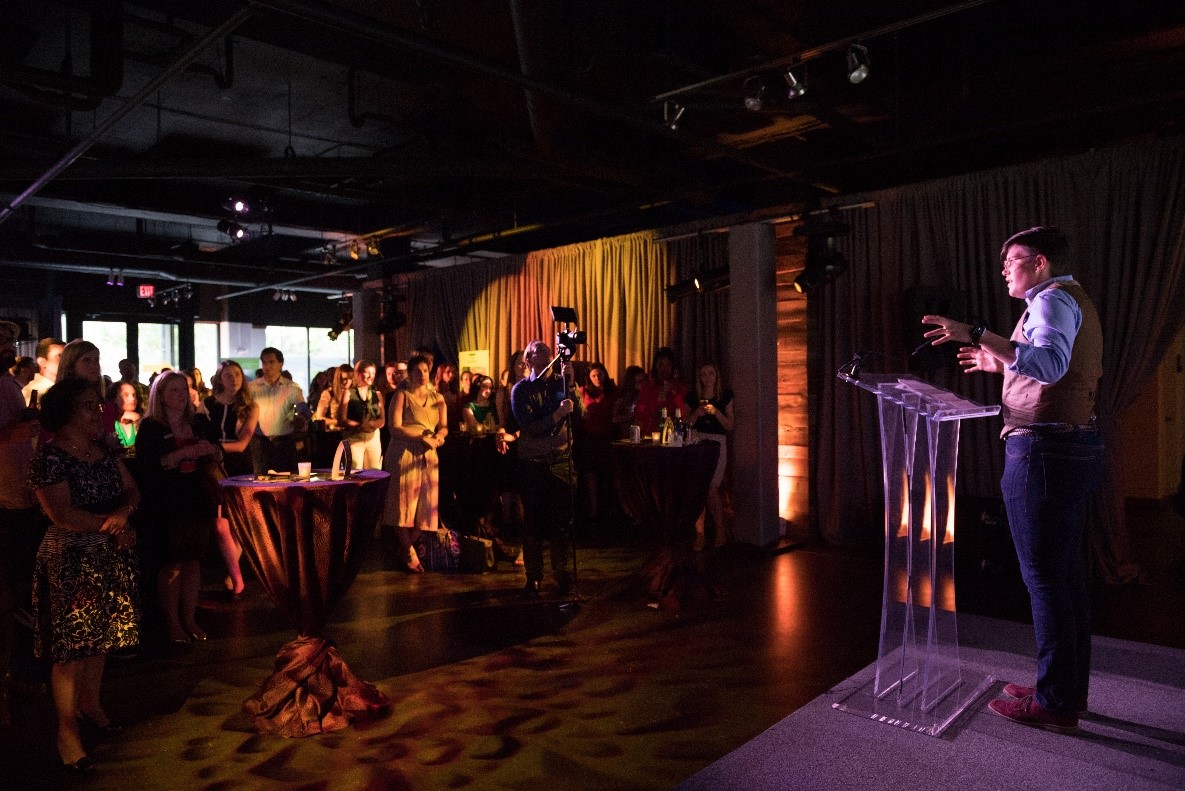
[[440, 131]]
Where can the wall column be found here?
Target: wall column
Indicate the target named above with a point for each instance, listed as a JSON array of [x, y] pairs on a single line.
[[753, 341]]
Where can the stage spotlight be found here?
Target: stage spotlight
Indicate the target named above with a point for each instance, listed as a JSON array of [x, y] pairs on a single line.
[[355, 251], [111, 277], [857, 63], [329, 259], [119, 278], [152, 302], [794, 87], [277, 295], [390, 317], [703, 283], [672, 113], [291, 295], [237, 204], [343, 323], [232, 229], [372, 247], [754, 94], [823, 264]]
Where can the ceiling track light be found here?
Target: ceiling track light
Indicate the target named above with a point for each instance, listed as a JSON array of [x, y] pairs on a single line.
[[237, 204], [355, 251], [232, 229], [857, 63], [372, 247], [111, 277], [754, 89], [794, 86], [172, 296], [702, 283], [672, 113], [119, 278]]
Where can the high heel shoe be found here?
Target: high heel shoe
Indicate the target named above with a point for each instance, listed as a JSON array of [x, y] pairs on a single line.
[[84, 765], [413, 562], [110, 729]]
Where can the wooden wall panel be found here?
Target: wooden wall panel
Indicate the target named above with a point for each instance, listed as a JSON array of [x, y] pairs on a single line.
[[793, 435]]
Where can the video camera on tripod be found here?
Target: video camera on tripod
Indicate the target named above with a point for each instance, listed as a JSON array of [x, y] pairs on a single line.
[[567, 339]]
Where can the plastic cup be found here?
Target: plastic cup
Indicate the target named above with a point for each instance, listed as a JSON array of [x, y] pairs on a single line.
[[304, 469]]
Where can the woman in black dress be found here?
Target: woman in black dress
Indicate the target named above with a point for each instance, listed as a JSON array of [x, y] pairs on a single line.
[[712, 421], [85, 589], [233, 416], [178, 510]]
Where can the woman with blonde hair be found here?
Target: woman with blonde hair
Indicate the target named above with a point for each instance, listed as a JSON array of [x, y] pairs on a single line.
[[233, 416], [329, 403], [80, 360], [177, 511], [361, 416], [419, 425]]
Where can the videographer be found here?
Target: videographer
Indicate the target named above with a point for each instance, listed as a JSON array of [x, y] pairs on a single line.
[[547, 476]]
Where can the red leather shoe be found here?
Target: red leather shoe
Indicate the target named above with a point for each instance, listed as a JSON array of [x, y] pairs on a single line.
[[1027, 711], [1018, 692]]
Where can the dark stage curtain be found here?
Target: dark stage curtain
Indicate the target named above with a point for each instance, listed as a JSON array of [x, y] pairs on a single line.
[[701, 320], [1123, 209]]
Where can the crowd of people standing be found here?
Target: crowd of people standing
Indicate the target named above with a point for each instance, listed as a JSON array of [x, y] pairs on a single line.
[[112, 512]]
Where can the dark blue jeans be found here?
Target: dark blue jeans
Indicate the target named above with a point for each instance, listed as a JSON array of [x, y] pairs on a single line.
[[1046, 482], [546, 490]]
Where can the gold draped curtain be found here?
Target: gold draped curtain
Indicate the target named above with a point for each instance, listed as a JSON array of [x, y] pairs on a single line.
[[616, 286]]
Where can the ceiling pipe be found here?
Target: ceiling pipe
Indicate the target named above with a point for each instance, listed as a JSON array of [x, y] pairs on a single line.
[[179, 65], [528, 64], [156, 274]]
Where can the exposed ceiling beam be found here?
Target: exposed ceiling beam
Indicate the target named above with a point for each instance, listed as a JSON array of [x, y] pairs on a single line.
[[101, 129]]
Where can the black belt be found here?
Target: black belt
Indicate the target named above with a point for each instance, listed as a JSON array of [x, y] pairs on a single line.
[[1047, 429]]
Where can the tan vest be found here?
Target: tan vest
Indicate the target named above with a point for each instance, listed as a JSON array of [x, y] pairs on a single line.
[[1071, 398]]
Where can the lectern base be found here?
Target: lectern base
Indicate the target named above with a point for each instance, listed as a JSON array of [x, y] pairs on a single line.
[[931, 718]]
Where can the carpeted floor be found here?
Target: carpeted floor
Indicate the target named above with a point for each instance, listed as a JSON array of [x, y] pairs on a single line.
[[1133, 737]]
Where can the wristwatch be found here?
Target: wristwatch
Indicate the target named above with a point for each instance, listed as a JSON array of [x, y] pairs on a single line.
[[976, 333]]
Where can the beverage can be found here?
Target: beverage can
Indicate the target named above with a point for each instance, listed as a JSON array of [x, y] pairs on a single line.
[[635, 434]]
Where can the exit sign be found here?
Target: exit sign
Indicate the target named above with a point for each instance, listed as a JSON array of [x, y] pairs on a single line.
[[147, 290]]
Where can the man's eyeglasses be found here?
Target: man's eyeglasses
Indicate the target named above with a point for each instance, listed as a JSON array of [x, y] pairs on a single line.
[[1008, 262]]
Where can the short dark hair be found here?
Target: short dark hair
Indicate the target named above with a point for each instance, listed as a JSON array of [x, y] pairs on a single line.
[[61, 401], [279, 355], [1047, 240], [44, 345]]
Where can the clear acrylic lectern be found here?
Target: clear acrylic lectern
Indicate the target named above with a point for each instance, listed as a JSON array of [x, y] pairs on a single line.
[[919, 682]]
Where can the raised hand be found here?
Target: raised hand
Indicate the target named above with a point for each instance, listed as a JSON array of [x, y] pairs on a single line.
[[947, 330], [974, 358]]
